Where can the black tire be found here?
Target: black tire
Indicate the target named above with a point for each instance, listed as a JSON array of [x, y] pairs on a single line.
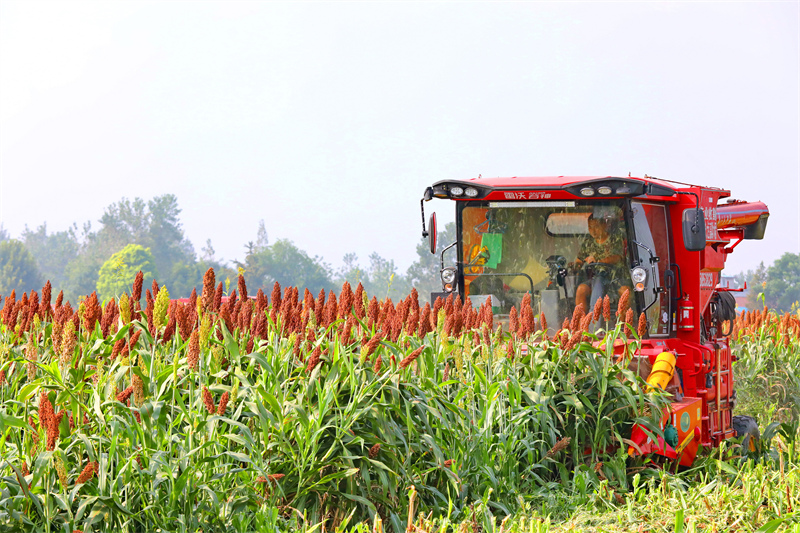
[[747, 427]]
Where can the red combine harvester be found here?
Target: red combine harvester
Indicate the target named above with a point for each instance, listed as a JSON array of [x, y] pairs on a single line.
[[572, 240]]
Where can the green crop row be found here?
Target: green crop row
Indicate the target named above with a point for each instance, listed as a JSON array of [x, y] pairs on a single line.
[[326, 413]]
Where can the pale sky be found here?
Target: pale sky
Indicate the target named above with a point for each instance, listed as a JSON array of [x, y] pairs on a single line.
[[328, 120]]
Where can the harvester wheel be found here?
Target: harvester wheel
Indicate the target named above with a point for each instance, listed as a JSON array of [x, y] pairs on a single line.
[[748, 427]]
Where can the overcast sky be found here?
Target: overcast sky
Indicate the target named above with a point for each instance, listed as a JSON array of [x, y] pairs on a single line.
[[328, 120]]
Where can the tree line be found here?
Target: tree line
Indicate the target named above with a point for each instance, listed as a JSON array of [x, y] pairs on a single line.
[[777, 286], [135, 235]]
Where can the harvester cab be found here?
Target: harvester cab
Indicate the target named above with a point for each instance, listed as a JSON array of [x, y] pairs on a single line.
[[575, 241]]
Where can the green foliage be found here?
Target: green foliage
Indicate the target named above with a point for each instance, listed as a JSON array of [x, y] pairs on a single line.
[[117, 274], [380, 278], [288, 265], [338, 441], [469, 436], [783, 283], [53, 252], [778, 284], [18, 270], [768, 364]]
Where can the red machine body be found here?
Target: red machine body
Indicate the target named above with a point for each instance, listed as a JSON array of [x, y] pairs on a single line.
[[684, 317]]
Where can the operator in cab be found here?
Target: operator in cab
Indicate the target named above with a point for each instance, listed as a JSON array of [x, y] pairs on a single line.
[[601, 258]]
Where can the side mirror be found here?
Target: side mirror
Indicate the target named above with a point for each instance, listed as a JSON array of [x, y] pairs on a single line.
[[694, 229], [432, 232]]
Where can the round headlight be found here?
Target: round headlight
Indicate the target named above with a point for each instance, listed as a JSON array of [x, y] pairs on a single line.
[[448, 275], [471, 192], [605, 189], [638, 275], [587, 191], [456, 191]]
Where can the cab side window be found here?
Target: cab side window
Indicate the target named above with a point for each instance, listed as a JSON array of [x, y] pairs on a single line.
[[652, 240]]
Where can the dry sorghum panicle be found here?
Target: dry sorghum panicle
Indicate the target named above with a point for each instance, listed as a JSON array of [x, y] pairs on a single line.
[[123, 396], [242, 288], [629, 317], [586, 322], [373, 313], [368, 349], [275, 297], [208, 401], [138, 389], [642, 328], [313, 361], [86, 474], [117, 349], [136, 292], [223, 403], [209, 280], [45, 410], [53, 430], [218, 296], [411, 357], [44, 306], [606, 308], [598, 309], [623, 304], [132, 343], [376, 368], [169, 330], [193, 352], [374, 450], [513, 321], [424, 321], [577, 317], [560, 445]]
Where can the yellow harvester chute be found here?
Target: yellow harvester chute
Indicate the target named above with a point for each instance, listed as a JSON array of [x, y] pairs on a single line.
[[662, 371]]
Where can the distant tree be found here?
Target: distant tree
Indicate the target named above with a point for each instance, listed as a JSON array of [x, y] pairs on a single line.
[[4, 236], [165, 235], [118, 272], [756, 283], [383, 279], [18, 270], [423, 274], [53, 252], [380, 278], [207, 252], [352, 272], [782, 291], [154, 225], [262, 241], [288, 265]]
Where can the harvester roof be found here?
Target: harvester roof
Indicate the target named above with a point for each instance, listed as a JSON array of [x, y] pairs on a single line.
[[574, 185]]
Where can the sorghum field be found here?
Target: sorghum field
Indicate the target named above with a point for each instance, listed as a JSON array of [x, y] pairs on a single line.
[[343, 413]]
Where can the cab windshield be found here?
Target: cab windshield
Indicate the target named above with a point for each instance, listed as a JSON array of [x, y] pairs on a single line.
[[562, 252]]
